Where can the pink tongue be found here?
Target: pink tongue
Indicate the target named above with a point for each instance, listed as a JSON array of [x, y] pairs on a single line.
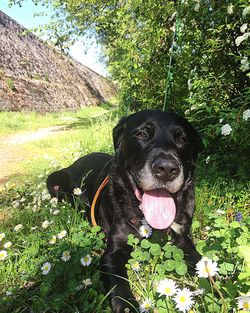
[[158, 208]]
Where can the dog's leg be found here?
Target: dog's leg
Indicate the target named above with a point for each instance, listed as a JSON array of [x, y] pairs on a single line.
[[114, 274]]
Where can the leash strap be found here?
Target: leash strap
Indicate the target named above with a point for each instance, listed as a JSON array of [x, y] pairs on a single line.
[[92, 210]]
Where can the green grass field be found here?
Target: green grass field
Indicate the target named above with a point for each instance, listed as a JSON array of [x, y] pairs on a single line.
[[42, 242]]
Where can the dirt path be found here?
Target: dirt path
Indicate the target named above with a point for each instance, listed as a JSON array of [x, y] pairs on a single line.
[[12, 151]]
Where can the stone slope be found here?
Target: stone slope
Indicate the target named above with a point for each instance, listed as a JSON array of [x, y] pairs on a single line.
[[35, 76]]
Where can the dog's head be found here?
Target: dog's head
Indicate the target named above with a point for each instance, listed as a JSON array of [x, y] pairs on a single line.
[[158, 150]]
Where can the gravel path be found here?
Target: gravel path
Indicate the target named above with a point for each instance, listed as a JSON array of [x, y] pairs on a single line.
[[12, 151]]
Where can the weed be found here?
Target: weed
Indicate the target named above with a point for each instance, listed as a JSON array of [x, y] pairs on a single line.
[[11, 84]]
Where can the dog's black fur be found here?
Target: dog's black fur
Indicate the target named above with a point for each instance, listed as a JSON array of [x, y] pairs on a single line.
[[153, 150]]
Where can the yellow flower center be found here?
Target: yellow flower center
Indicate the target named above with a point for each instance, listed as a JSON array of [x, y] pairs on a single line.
[[246, 305], [147, 306], [86, 258], [167, 290], [183, 299]]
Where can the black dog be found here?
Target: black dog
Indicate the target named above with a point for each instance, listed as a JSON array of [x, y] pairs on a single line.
[[150, 177]]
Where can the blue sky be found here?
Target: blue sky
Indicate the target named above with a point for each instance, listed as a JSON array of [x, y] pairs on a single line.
[[25, 16]]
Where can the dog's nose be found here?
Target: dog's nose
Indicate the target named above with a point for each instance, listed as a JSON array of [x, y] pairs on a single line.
[[165, 169]]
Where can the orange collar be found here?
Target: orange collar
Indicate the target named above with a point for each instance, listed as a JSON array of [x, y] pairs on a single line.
[[92, 210]]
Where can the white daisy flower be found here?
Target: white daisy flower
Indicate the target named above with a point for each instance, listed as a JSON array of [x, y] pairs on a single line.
[[56, 212], [246, 114], [7, 244], [33, 228], [66, 256], [18, 227], [86, 260], [3, 255], [183, 299], [87, 282], [206, 266], [199, 292], [2, 235], [221, 120], [46, 268], [244, 303], [135, 266], [145, 230], [45, 195], [77, 191], [62, 234], [53, 201], [146, 305], [45, 224], [226, 130], [166, 287], [52, 240]]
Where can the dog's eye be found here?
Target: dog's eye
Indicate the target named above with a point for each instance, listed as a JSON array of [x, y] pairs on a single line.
[[141, 135], [182, 140]]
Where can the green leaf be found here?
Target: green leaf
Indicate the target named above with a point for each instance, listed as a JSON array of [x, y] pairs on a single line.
[[155, 249], [145, 244], [180, 268], [169, 265]]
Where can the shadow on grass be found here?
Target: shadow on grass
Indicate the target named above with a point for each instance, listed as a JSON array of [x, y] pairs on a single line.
[[89, 121]]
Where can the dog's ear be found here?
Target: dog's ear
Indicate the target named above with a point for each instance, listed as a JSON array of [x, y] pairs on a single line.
[[118, 132], [59, 184]]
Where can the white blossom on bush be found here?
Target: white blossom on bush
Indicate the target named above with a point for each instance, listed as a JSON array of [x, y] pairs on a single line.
[[243, 27], [226, 130], [246, 114], [246, 11], [241, 38], [244, 64], [230, 9]]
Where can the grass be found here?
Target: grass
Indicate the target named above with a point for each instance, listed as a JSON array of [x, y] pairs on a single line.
[[12, 122], [71, 287]]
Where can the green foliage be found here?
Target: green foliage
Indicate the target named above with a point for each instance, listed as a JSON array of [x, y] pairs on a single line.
[[225, 241], [10, 84]]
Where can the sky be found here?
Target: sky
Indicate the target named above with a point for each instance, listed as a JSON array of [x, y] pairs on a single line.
[[25, 16]]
